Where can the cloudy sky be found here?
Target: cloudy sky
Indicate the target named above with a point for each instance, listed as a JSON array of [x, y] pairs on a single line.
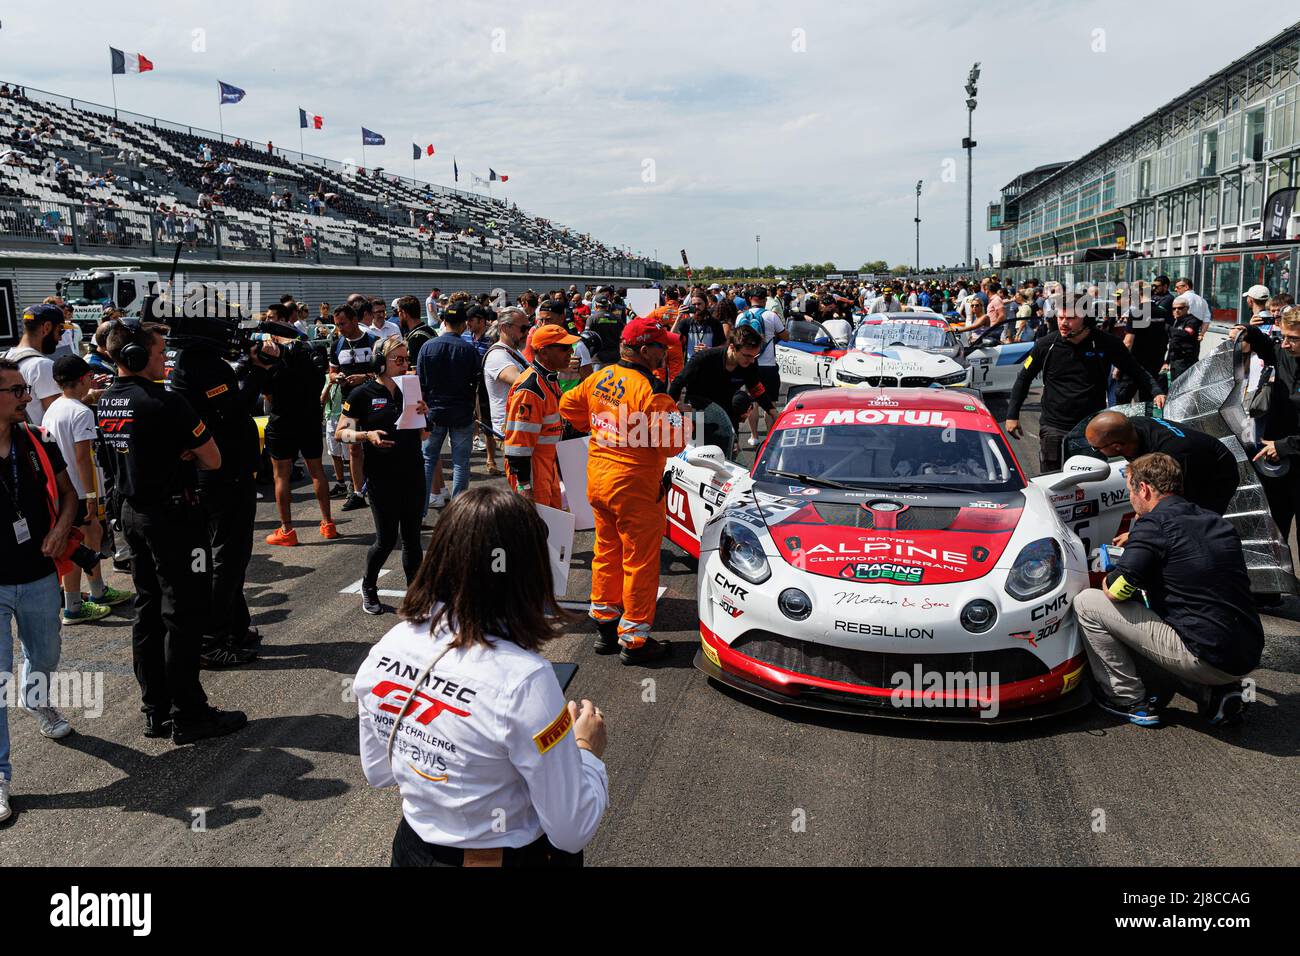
[[668, 124]]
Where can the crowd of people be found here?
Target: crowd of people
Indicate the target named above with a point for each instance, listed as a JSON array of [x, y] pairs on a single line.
[[153, 441]]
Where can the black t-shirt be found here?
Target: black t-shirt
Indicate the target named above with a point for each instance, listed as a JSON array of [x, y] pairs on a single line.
[[209, 384], [1209, 469], [375, 408], [295, 386], [1150, 339], [706, 381], [146, 429], [609, 326], [24, 563], [356, 356], [697, 330]]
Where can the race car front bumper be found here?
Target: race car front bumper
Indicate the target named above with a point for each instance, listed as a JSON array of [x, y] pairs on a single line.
[[1058, 691]]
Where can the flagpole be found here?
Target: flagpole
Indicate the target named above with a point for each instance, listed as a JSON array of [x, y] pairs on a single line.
[[363, 151], [113, 79], [221, 120], [301, 152]]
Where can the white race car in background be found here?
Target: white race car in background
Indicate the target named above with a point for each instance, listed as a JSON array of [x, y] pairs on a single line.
[[884, 537], [906, 349]]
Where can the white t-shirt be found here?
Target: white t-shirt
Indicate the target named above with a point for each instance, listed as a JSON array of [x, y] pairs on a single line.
[[70, 421], [38, 372], [431, 310], [501, 356], [486, 755], [1197, 307], [773, 325], [389, 329]]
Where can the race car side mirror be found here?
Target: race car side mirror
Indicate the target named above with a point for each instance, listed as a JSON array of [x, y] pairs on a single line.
[[710, 457], [1079, 470]]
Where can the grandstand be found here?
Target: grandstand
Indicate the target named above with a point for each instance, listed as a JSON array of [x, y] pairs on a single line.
[[80, 177]]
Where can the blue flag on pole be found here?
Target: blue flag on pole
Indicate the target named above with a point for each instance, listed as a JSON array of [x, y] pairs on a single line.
[[371, 138], [230, 94]]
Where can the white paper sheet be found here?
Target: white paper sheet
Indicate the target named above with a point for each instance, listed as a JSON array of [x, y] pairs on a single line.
[[571, 456], [559, 542], [411, 397], [642, 301]]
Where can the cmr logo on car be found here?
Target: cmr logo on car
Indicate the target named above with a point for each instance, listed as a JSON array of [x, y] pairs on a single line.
[[75, 909], [729, 587], [1040, 612]]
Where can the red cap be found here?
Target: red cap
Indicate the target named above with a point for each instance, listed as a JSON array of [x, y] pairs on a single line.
[[645, 331]]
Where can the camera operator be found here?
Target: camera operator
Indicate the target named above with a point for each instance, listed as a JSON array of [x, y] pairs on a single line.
[[225, 401], [295, 427], [156, 436]]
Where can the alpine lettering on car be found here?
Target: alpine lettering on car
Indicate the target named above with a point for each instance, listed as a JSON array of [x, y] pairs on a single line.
[[1040, 612], [879, 571], [881, 630], [730, 587]]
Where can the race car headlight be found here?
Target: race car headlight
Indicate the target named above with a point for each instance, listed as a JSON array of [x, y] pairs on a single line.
[[956, 378], [794, 604], [1038, 569], [978, 616], [742, 552], [848, 378]]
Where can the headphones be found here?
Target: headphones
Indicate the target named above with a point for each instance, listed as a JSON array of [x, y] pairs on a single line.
[[134, 356], [390, 344]]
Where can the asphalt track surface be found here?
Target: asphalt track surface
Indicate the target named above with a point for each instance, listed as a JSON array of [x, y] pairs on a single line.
[[698, 774]]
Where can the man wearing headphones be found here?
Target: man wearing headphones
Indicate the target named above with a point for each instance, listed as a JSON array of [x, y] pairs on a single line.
[[156, 438], [1075, 364]]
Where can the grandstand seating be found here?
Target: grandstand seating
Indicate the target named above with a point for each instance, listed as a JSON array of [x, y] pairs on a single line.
[[118, 182]]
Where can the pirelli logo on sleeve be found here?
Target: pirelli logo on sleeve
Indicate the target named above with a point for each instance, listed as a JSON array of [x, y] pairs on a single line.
[[219, 390], [199, 429], [554, 732]]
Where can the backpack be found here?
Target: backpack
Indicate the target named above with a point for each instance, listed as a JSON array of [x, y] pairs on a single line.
[[753, 318]]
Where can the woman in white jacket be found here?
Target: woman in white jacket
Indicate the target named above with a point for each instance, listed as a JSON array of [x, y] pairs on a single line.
[[459, 710]]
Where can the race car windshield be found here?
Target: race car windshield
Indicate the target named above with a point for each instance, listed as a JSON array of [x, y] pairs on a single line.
[[916, 335], [885, 456]]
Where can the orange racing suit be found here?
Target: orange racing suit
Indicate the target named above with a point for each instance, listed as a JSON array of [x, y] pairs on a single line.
[[533, 429], [666, 315], [635, 427]]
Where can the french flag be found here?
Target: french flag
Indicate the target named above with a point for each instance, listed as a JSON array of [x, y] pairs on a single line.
[[309, 121], [129, 62]]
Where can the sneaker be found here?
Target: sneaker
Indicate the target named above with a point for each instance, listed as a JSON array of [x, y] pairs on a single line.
[[5, 811], [339, 491], [53, 724], [1139, 712], [285, 539], [155, 726], [1160, 697], [651, 650], [1224, 704], [223, 654], [606, 637], [215, 723], [439, 500], [328, 531], [354, 502], [370, 600], [753, 442], [124, 565], [252, 638], [480, 444], [88, 613], [111, 597]]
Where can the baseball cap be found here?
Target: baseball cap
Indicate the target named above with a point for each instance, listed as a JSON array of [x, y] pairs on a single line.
[[545, 335], [456, 313], [715, 287], [551, 305], [43, 313], [1256, 292], [69, 369], [645, 332]]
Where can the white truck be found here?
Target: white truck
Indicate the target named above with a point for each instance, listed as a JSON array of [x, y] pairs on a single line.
[[90, 291]]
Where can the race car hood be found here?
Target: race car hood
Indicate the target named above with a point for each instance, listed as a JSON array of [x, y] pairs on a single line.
[[899, 360], [893, 538]]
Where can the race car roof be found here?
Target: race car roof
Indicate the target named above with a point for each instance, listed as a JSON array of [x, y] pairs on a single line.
[[880, 319], [936, 407]]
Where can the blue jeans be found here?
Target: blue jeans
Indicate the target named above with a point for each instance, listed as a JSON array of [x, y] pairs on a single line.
[[36, 607], [462, 443]]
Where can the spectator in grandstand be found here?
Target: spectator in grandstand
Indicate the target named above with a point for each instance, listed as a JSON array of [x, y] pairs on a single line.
[[448, 368], [190, 229], [42, 327]]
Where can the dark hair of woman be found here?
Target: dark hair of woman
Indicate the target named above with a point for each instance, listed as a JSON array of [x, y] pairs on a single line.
[[488, 566]]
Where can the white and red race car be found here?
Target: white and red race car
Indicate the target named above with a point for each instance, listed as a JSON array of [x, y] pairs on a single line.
[[887, 555]]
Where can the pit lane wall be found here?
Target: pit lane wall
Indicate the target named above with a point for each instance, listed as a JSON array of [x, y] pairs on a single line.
[[28, 277]]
